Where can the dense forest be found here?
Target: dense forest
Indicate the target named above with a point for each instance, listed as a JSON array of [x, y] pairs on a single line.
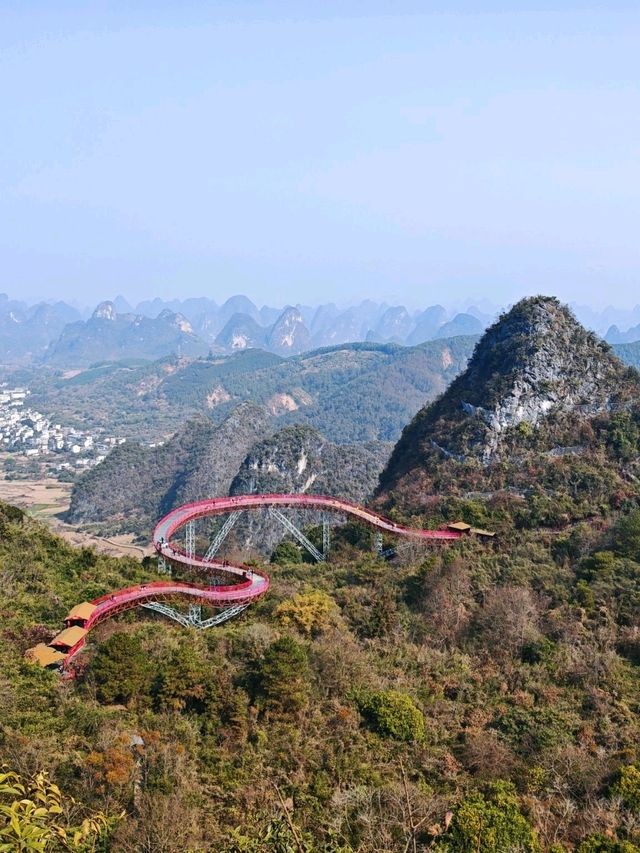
[[470, 697], [351, 393], [354, 392]]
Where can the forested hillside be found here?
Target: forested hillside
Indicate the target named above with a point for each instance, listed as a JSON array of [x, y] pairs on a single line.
[[351, 393], [479, 698], [542, 426], [135, 486], [354, 392]]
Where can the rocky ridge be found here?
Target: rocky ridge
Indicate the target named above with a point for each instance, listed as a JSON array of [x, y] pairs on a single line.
[[135, 486], [535, 379]]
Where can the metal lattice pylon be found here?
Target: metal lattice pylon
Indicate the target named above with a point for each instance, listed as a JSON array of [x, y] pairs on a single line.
[[190, 538], [326, 537], [193, 618], [396, 549], [298, 534], [377, 543], [164, 568], [221, 535]]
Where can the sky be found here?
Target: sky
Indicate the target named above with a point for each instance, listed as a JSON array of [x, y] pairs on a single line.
[[312, 152]]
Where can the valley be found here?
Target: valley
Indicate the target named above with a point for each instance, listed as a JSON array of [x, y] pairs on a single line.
[[48, 500]]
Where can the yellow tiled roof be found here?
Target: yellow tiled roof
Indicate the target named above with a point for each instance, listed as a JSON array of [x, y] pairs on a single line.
[[69, 637], [81, 611], [44, 655]]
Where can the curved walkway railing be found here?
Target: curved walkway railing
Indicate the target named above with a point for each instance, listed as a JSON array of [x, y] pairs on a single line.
[[182, 515], [247, 584]]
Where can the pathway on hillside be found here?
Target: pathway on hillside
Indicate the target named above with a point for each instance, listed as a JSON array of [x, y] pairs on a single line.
[[231, 587]]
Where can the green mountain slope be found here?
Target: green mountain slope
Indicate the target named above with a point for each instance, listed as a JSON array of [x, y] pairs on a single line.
[[351, 393], [544, 411], [494, 689]]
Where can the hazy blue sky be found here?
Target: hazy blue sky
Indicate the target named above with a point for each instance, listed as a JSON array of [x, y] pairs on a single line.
[[312, 151]]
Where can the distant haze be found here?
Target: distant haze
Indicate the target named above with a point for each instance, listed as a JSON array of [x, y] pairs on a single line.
[[305, 153]]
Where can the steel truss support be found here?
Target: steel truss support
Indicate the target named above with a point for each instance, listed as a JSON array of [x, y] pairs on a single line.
[[190, 538], [326, 537], [298, 534], [377, 543], [221, 535], [393, 552], [164, 568], [193, 618]]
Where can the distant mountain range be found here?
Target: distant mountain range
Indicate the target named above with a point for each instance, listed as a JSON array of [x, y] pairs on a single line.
[[107, 335], [58, 335], [62, 336], [26, 332]]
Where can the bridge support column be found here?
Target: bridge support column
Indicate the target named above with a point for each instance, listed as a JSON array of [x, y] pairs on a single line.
[[221, 535], [297, 534], [377, 543], [164, 568], [326, 537], [190, 538]]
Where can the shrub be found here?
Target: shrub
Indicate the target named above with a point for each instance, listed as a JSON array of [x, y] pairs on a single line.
[[627, 787], [391, 714], [488, 823], [601, 844], [530, 730], [627, 535], [309, 612]]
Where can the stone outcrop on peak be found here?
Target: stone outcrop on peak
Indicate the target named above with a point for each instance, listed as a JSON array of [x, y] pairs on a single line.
[[535, 366]]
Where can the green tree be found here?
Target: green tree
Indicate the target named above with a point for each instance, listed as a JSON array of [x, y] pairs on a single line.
[[185, 682], [391, 714], [627, 535], [601, 844], [283, 685], [623, 436], [121, 669], [286, 553], [489, 823]]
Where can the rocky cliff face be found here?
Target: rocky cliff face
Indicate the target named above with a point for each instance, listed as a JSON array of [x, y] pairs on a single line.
[[534, 370], [135, 486], [299, 459], [289, 335], [241, 332]]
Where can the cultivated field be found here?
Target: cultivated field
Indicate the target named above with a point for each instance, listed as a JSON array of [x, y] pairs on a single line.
[[46, 500]]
